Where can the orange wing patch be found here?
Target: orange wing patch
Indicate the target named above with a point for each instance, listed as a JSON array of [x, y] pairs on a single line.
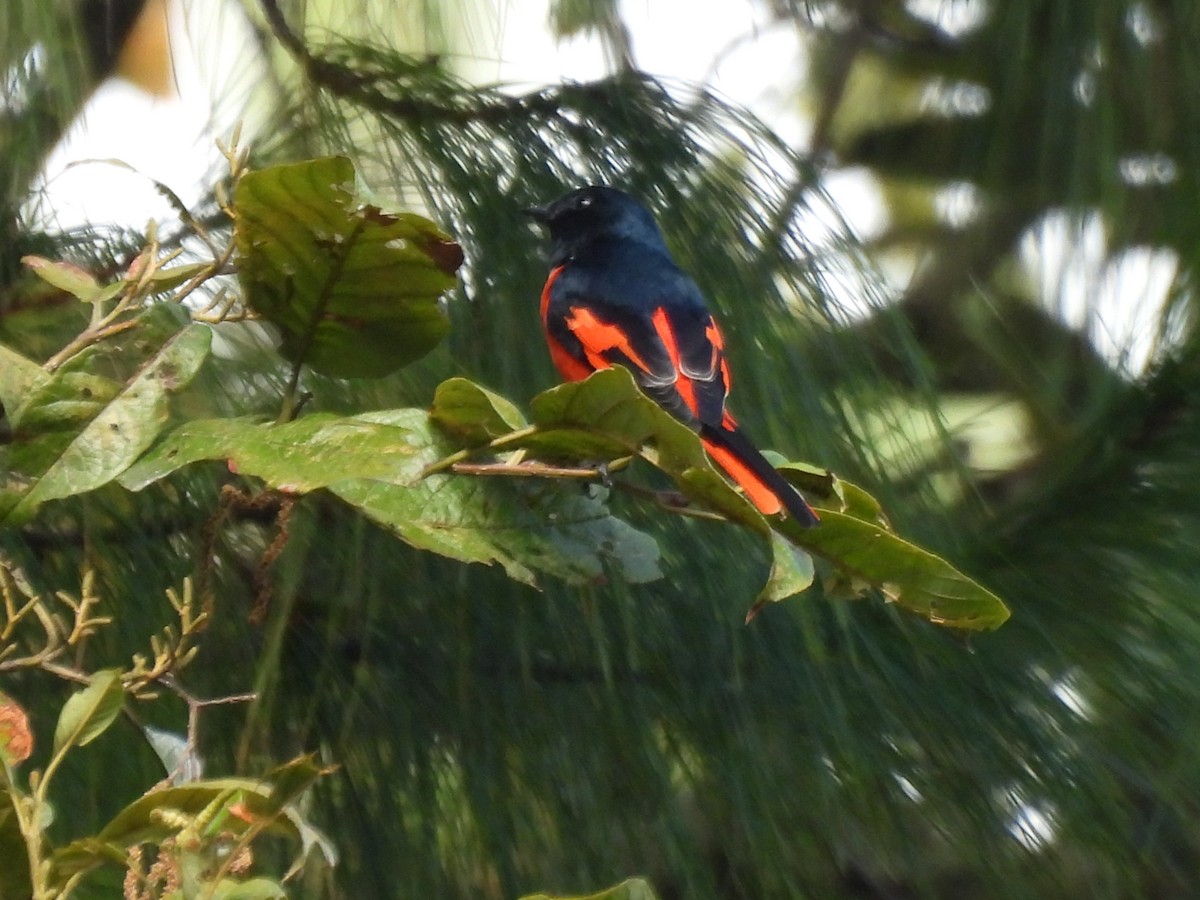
[[568, 366], [600, 337]]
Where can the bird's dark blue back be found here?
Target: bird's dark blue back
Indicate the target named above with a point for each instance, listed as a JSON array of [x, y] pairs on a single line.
[[629, 276]]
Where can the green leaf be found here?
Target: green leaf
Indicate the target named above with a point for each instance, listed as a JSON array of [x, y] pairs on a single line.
[[289, 782], [292, 779], [19, 378], [519, 525], [140, 822], [65, 276], [301, 456], [88, 712], [171, 277], [630, 889], [259, 803], [474, 413], [375, 462], [914, 578], [137, 823], [792, 571], [353, 290], [107, 429]]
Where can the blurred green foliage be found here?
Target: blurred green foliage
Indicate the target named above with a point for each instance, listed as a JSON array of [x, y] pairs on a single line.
[[495, 741]]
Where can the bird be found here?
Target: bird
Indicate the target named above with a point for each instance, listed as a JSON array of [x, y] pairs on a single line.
[[615, 297]]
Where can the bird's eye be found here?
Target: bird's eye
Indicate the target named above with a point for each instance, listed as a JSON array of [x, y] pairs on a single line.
[[584, 202]]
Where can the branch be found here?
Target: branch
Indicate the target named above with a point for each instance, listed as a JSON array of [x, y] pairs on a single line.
[[476, 105]]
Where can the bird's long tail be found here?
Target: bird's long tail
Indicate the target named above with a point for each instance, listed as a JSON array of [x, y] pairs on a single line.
[[766, 488]]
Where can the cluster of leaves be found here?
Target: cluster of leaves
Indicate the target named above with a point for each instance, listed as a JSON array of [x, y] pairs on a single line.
[[200, 831], [353, 292]]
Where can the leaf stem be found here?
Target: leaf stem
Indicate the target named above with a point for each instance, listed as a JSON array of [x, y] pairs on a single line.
[[289, 406], [539, 470], [460, 455]]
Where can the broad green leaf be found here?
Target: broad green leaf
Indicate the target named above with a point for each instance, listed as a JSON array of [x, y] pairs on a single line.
[[248, 803], [62, 462], [301, 456], [916, 579], [19, 377], [289, 782], [630, 889], [54, 414], [89, 712], [605, 416], [825, 489], [375, 462], [292, 779], [520, 525], [857, 537], [65, 276], [353, 290], [474, 413]]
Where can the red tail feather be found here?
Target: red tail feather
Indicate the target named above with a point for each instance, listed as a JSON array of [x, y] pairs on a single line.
[[766, 488]]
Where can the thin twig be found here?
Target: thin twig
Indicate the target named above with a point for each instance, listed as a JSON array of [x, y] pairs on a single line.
[[499, 443]]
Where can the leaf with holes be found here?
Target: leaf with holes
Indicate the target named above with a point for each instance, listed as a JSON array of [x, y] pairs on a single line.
[[857, 538], [375, 461], [353, 290]]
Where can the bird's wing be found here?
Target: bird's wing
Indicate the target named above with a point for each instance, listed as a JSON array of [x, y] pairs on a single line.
[[674, 349]]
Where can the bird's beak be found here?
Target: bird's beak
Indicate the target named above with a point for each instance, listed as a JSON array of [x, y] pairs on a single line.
[[539, 214]]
